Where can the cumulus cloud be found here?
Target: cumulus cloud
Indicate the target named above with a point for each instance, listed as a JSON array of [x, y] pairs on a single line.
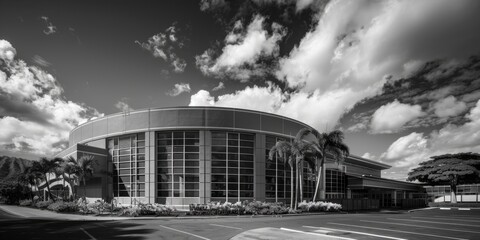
[[50, 28], [179, 89], [164, 45], [244, 50], [393, 116], [123, 106], [210, 5], [220, 86], [353, 50], [249, 98], [7, 52], [407, 151], [35, 116], [448, 107]]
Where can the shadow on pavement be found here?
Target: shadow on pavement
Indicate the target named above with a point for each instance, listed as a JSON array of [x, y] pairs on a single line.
[[71, 230]]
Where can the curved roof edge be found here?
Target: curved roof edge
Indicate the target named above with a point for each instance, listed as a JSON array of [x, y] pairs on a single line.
[[192, 107]]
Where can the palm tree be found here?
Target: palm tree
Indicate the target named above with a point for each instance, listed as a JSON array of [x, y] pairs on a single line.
[[297, 151], [81, 168], [328, 144], [44, 167], [302, 150], [283, 151]]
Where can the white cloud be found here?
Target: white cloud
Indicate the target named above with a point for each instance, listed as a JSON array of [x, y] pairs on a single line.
[[202, 98], [211, 4], [7, 52], [35, 116], [163, 45], [240, 57], [407, 151], [320, 111], [352, 51], [179, 89], [369, 156], [448, 107], [220, 86], [393, 116], [123, 106], [249, 98], [50, 28]]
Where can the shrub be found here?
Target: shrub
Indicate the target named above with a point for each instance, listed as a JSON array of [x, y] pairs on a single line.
[[61, 206], [154, 209], [25, 202], [131, 211], [43, 204], [319, 206]]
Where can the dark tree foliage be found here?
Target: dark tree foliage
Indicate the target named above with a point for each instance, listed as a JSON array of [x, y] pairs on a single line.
[[12, 191], [451, 169]]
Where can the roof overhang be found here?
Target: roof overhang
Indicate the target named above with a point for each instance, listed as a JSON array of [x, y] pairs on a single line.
[[365, 182]]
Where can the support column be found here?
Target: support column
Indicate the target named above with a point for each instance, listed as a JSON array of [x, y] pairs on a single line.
[[150, 168], [259, 187], [395, 198], [205, 170]]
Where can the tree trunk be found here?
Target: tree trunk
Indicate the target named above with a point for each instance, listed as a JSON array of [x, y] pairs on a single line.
[[300, 178], [319, 178], [48, 187], [291, 186], [296, 187], [453, 191], [84, 189]]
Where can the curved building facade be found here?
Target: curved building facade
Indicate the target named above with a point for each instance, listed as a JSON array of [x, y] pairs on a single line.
[[186, 155]]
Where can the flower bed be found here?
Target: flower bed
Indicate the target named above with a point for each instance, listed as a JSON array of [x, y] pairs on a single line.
[[319, 206], [101, 207], [259, 208]]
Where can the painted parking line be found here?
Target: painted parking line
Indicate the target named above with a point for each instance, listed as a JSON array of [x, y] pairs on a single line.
[[449, 219], [360, 233], [422, 226], [218, 225], [399, 231], [459, 217], [88, 234], [187, 233], [315, 234], [423, 221]]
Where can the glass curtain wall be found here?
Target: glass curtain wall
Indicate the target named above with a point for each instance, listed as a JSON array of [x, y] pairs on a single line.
[[127, 154], [178, 164], [335, 183], [232, 166], [277, 175]]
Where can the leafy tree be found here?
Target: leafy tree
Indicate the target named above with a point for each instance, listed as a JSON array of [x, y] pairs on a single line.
[[81, 169], [13, 190], [29, 178], [44, 167], [452, 169]]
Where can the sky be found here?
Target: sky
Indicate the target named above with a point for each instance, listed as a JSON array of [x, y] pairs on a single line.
[[401, 79]]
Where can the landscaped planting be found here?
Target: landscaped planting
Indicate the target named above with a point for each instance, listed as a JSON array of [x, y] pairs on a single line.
[[319, 206], [259, 208], [101, 207]]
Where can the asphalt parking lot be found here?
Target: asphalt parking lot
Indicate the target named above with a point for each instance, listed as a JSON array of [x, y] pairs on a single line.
[[428, 224]]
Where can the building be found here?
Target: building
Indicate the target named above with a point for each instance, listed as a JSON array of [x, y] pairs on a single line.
[[186, 155]]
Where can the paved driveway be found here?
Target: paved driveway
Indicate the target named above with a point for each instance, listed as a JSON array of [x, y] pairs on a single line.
[[430, 224]]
